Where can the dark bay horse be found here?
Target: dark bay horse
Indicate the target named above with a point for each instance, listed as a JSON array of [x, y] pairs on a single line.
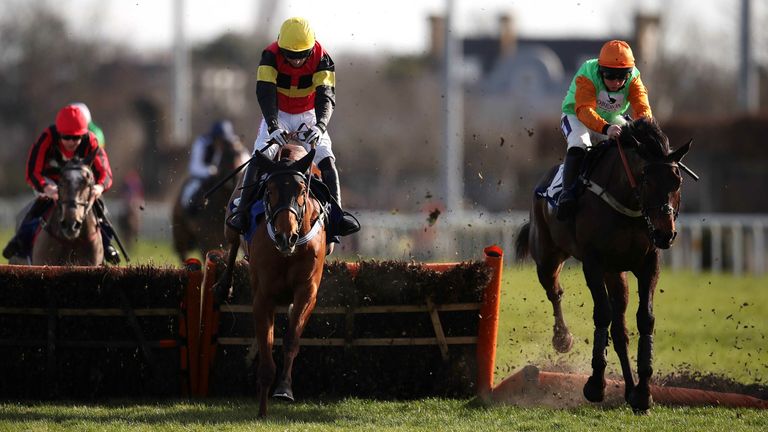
[[71, 234], [198, 230], [627, 215], [286, 258]]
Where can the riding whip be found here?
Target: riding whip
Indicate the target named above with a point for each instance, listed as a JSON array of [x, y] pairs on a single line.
[[234, 172]]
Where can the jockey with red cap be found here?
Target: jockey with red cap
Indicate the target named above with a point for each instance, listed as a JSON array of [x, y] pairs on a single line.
[[67, 138], [601, 94], [296, 84]]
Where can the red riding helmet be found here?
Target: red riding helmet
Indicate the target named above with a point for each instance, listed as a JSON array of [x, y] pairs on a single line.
[[71, 121]]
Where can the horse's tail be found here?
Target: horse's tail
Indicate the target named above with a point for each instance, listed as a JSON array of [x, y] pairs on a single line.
[[521, 243]]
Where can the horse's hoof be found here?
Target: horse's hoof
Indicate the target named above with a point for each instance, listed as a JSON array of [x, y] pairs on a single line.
[[640, 400], [594, 390], [562, 343], [283, 392]]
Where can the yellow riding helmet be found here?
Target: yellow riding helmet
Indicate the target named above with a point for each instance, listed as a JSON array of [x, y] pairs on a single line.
[[616, 54], [296, 35]]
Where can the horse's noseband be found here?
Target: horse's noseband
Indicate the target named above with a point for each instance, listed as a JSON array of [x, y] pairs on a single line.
[[74, 203], [292, 205], [664, 208]]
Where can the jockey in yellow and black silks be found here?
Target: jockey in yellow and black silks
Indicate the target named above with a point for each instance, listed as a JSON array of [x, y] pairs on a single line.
[[296, 85], [601, 94]]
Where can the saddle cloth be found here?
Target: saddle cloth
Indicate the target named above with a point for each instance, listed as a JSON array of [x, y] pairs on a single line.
[[552, 191], [333, 213]]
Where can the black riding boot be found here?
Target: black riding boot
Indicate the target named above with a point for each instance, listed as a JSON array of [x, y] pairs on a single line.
[[240, 219], [111, 255], [566, 205], [21, 243], [347, 223]]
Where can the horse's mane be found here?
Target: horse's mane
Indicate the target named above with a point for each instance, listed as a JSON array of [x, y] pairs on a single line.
[[651, 143], [291, 152]]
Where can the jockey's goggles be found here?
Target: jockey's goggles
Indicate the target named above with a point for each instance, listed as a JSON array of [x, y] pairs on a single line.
[[615, 74], [71, 137], [295, 55]]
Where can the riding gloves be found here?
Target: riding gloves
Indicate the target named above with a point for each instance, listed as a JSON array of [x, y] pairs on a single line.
[[314, 133], [278, 136]]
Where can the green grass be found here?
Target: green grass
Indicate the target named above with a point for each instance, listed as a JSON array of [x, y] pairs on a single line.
[[362, 415], [706, 323]]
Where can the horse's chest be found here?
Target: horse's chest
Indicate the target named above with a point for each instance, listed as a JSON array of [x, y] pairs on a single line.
[[624, 250]]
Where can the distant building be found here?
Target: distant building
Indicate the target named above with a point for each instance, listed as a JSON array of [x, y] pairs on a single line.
[[531, 75]]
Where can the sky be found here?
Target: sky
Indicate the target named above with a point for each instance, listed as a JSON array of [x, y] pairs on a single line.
[[346, 25], [707, 28]]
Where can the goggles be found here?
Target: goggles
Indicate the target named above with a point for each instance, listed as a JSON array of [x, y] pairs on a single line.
[[295, 55]]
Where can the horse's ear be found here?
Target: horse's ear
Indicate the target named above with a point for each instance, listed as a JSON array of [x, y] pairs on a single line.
[[264, 163], [303, 164], [677, 155]]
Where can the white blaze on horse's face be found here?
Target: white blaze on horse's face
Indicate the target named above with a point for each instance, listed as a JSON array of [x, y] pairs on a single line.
[[75, 188]]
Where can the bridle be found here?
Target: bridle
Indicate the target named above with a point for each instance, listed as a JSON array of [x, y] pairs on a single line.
[[73, 202], [664, 208], [292, 206]]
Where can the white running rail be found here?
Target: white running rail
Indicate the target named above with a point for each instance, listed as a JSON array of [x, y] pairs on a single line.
[[732, 243]]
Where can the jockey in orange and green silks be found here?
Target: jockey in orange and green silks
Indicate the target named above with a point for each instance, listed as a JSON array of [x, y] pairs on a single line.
[[602, 93]]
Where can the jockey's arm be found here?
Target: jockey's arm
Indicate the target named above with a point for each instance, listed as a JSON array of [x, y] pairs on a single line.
[[266, 93], [638, 99], [102, 171], [586, 103], [266, 88], [324, 80], [36, 162]]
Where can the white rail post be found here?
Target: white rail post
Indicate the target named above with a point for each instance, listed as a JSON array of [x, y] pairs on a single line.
[[758, 248], [737, 244], [696, 247], [716, 230]]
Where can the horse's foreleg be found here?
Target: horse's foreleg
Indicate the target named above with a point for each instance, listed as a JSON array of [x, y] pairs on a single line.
[[264, 320], [618, 292], [641, 399], [298, 315], [549, 273], [594, 389], [223, 288]]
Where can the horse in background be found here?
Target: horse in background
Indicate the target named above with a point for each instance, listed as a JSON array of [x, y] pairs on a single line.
[[129, 218], [70, 235], [198, 230], [287, 254], [620, 227]]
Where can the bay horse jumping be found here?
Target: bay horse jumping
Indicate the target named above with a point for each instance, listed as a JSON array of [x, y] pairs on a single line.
[[71, 234], [286, 257], [624, 220], [193, 230]]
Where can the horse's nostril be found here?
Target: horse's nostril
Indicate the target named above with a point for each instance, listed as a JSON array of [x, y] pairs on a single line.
[[294, 238]]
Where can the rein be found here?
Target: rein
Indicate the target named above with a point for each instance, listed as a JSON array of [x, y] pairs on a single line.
[[664, 208], [293, 207]]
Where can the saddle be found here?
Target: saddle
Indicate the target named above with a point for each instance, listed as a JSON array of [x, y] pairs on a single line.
[[551, 192]]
